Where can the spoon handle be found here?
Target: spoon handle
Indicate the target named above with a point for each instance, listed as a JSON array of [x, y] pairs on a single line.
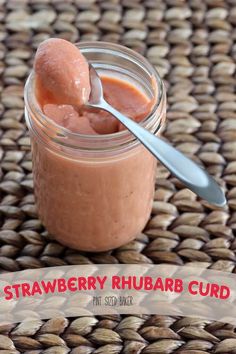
[[187, 171]]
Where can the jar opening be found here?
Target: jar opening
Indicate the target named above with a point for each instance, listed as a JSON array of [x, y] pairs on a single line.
[[109, 59]]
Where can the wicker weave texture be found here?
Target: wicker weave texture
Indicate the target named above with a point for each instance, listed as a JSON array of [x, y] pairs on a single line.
[[192, 44]]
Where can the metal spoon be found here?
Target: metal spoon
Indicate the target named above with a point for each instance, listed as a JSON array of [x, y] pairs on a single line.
[[187, 171]]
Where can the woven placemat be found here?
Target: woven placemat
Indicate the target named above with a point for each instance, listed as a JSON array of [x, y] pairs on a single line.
[[192, 44]]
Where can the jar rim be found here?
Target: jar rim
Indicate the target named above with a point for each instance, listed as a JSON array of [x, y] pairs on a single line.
[[118, 139]]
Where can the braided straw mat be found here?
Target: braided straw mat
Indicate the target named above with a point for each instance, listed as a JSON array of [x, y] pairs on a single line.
[[192, 44]]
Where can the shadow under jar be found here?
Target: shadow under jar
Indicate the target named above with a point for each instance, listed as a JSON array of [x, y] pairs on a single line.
[[95, 192]]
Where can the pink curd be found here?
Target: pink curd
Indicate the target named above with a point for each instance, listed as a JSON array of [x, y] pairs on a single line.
[[96, 203]]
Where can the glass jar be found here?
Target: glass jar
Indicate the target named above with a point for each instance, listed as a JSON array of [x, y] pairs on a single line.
[[95, 192]]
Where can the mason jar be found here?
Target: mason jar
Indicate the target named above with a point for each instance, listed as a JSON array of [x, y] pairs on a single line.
[[95, 192]]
